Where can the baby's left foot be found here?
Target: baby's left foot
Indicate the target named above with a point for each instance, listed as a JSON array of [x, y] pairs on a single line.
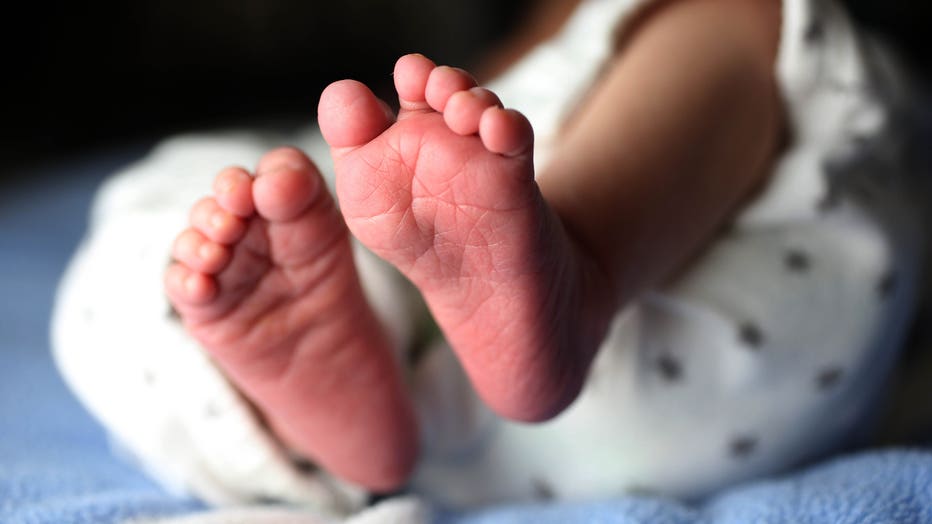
[[446, 193], [265, 281]]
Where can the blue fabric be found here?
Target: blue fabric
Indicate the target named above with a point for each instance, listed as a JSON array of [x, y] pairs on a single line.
[[55, 463], [56, 466], [882, 486]]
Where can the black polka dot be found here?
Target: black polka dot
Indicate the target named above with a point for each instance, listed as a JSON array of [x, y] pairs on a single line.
[[669, 368], [833, 190], [742, 446], [829, 201], [827, 378], [861, 140], [542, 489], [304, 465], [797, 261], [172, 313], [886, 285], [815, 32], [264, 500], [750, 335]]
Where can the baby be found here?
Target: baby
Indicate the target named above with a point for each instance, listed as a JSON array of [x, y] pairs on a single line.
[[674, 280]]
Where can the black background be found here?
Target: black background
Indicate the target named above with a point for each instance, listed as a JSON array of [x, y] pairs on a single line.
[[84, 75]]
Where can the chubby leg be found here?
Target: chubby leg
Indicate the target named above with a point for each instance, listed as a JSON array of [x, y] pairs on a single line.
[[446, 193], [681, 129], [264, 279]]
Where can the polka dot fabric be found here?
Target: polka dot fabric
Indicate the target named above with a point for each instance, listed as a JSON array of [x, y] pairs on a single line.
[[768, 352], [773, 347]]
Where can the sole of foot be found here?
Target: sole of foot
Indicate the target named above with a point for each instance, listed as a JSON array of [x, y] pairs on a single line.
[[445, 192], [264, 279]]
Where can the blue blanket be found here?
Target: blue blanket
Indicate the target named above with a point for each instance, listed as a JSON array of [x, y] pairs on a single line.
[[55, 462], [881, 486], [57, 468]]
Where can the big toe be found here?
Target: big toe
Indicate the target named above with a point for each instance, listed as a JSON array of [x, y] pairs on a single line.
[[350, 115], [286, 183]]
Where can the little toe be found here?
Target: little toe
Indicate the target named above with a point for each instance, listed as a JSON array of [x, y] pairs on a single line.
[[286, 183], [465, 108], [411, 74], [194, 250], [443, 82], [506, 132], [350, 115], [216, 223], [233, 191], [188, 288]]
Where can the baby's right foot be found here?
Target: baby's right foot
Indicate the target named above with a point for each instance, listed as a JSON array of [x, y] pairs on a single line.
[[265, 281], [446, 193]]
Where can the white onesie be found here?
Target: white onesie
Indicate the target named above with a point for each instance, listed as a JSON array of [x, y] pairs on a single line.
[[771, 350]]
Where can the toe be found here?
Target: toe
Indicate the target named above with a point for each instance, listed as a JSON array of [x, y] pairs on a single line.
[[349, 114], [186, 287], [215, 223], [506, 132], [194, 250], [233, 191], [443, 82], [411, 74], [465, 108], [286, 183]]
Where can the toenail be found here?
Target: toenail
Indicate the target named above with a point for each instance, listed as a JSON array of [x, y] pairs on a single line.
[[218, 220], [485, 95], [281, 166], [207, 251], [225, 185], [462, 71], [191, 284]]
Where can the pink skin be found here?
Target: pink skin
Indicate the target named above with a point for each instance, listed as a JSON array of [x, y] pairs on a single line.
[[264, 279], [446, 193]]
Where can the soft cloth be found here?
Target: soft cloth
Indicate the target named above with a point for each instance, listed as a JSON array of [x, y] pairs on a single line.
[[56, 466], [772, 347]]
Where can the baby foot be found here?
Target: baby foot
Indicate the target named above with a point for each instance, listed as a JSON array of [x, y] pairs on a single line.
[[446, 193], [264, 279]]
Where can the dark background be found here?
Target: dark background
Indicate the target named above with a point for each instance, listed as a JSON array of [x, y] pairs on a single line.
[[85, 75], [80, 76]]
